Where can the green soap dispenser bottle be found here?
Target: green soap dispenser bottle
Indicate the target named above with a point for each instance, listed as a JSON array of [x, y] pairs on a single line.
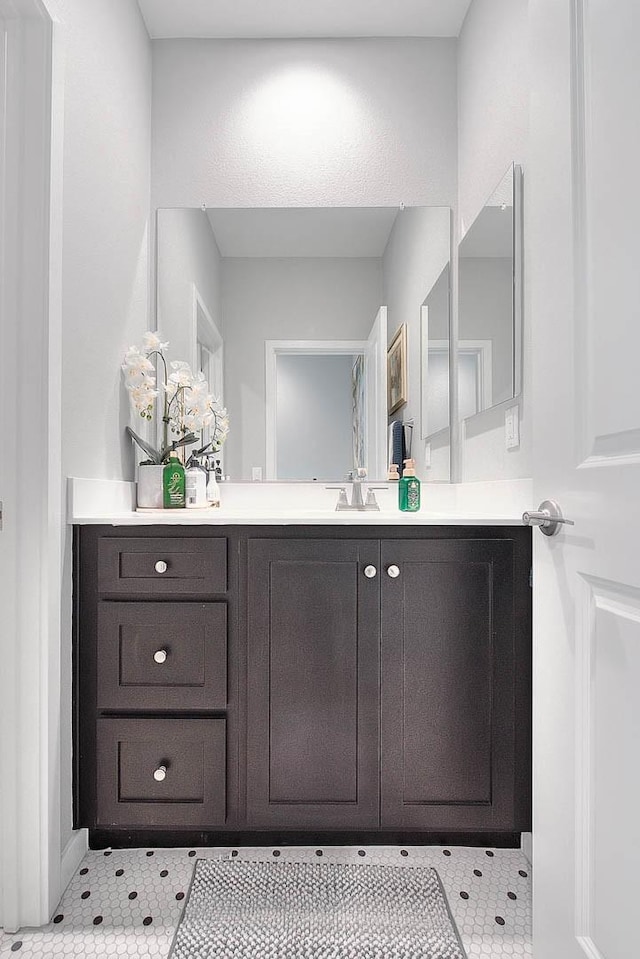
[[409, 489], [173, 483]]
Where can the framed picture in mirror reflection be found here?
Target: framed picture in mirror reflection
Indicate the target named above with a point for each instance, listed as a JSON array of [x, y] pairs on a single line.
[[397, 370]]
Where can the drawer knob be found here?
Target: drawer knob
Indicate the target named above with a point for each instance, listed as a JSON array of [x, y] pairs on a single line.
[[370, 572], [393, 572], [160, 656], [161, 566], [160, 774]]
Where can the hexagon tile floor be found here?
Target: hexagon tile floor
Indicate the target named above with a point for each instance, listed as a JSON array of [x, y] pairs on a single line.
[[128, 902]]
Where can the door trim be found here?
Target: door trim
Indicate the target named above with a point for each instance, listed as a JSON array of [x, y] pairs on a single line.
[[33, 867]]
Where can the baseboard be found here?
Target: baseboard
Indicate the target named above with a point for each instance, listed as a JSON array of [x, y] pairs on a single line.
[[72, 856], [527, 846], [166, 838]]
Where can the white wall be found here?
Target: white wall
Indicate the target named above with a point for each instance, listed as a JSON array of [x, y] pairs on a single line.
[[187, 254], [105, 257], [493, 93], [314, 420], [284, 299], [304, 123], [418, 249]]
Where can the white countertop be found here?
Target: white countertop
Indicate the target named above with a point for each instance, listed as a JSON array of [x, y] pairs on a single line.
[[112, 503]]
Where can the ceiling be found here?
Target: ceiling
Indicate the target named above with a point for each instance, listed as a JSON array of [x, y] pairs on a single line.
[[257, 19], [303, 232]]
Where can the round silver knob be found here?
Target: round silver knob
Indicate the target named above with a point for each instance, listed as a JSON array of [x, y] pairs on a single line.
[[160, 774], [393, 572], [160, 656], [370, 571], [161, 566]]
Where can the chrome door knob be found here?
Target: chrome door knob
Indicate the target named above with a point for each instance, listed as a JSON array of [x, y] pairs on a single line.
[[160, 774], [393, 572], [548, 517], [161, 566], [160, 656], [370, 572]]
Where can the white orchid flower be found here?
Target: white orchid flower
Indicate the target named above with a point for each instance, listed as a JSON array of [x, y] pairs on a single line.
[[152, 343]]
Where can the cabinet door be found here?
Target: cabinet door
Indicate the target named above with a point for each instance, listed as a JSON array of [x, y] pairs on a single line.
[[313, 683], [447, 710]]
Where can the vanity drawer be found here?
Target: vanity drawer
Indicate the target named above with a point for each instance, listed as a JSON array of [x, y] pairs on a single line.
[[161, 772], [162, 655], [155, 566]]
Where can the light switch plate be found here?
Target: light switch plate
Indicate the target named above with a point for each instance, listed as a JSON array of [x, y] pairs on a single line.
[[256, 473], [512, 428], [427, 456]]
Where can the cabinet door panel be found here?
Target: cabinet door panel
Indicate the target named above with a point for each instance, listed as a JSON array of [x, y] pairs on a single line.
[[447, 685], [312, 684]]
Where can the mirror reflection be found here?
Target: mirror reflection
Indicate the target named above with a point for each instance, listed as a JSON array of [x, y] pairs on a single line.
[[487, 330], [434, 320], [285, 311]]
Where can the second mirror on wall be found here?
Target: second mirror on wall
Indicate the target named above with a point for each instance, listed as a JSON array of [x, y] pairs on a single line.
[[489, 302]]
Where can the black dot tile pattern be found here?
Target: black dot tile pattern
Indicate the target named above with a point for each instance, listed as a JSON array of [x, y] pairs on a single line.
[[276, 852], [489, 896], [319, 852]]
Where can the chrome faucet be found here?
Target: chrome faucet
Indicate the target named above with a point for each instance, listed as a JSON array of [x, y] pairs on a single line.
[[357, 479]]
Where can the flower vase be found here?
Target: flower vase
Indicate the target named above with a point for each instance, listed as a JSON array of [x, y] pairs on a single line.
[[149, 489]]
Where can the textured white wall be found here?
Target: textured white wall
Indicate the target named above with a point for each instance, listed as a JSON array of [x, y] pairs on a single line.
[[187, 254], [418, 249], [284, 299], [107, 143], [304, 122], [493, 93]]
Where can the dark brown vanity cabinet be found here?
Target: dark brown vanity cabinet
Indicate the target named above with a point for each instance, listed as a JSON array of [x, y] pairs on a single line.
[[313, 625], [315, 680], [388, 684]]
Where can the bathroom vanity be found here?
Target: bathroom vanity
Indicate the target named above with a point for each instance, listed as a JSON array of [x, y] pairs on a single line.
[[296, 680]]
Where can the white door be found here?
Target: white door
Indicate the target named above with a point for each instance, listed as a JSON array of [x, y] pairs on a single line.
[[583, 271], [377, 417]]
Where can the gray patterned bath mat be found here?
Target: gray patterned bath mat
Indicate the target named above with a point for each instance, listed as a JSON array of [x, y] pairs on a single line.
[[288, 910]]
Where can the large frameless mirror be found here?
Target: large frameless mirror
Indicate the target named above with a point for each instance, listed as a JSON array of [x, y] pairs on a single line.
[[289, 313], [490, 301]]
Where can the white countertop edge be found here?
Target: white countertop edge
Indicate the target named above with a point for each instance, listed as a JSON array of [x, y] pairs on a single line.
[[222, 518]]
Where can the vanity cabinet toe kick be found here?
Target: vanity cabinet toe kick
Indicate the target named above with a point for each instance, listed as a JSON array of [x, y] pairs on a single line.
[[307, 682]]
